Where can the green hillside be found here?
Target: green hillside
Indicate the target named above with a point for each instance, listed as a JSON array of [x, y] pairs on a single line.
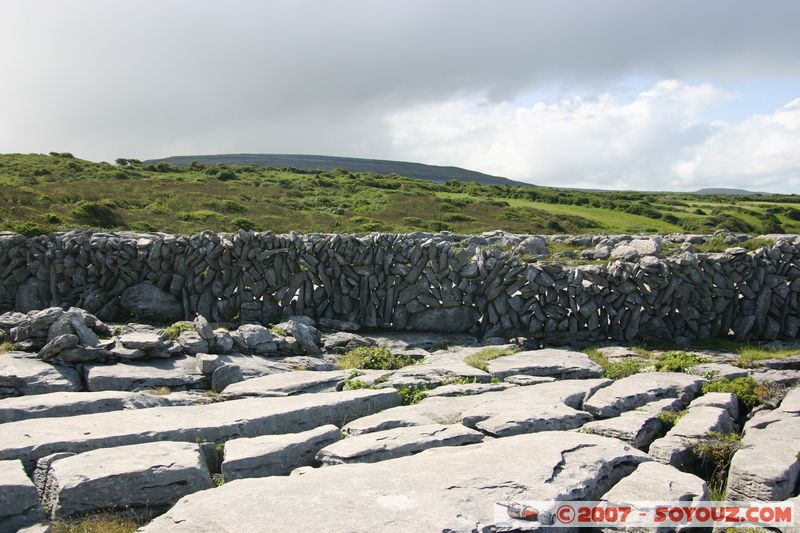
[[43, 193]]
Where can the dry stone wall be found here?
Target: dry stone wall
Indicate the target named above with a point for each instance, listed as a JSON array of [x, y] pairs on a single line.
[[418, 282]]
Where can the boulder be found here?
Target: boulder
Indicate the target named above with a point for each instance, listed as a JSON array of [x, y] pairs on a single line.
[[533, 246], [275, 455], [443, 489], [148, 302], [287, 383], [307, 335], [636, 390], [560, 364], [57, 345], [398, 442], [30, 440], [144, 340], [342, 341], [19, 502], [235, 368], [192, 342], [22, 374], [444, 319], [153, 475], [256, 338], [176, 373]]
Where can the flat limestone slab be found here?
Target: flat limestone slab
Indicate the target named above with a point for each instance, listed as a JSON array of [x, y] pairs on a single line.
[[450, 488], [398, 442], [560, 364], [30, 440], [275, 455], [19, 503], [675, 448], [59, 404], [153, 475], [638, 427], [766, 466], [636, 390], [450, 410], [175, 373], [22, 374], [654, 481], [467, 389], [287, 383]]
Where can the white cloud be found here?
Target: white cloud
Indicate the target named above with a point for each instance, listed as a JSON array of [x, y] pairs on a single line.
[[660, 139]]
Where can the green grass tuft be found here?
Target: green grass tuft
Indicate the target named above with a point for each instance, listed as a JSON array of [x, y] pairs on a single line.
[[375, 358], [480, 358]]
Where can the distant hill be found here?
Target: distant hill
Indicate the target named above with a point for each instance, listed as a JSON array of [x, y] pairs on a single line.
[[721, 190], [435, 173]]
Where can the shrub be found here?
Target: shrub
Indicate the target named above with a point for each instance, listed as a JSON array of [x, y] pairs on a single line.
[[668, 419], [411, 395], [715, 450], [96, 214], [174, 331], [52, 218], [355, 384], [480, 358], [245, 224], [226, 175], [678, 361], [375, 358], [746, 389], [30, 229]]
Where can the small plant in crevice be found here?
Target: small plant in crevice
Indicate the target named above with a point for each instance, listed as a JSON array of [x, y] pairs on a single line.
[[668, 419], [614, 370], [375, 358], [749, 392], [412, 395], [678, 361], [715, 451], [480, 358], [174, 331]]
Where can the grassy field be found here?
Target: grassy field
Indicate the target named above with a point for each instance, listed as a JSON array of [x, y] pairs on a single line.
[[44, 193]]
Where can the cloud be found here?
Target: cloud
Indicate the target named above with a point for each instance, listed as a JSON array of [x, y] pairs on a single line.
[[148, 78], [658, 140]]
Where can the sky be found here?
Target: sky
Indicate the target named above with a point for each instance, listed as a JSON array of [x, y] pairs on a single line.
[[610, 94]]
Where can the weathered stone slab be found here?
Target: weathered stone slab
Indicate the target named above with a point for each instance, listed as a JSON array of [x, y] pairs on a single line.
[[636, 390], [560, 364], [441, 489], [275, 455], [31, 439], [449, 410], [654, 481], [723, 400], [468, 389], [237, 367], [22, 374], [398, 442], [766, 467], [19, 503], [59, 404], [438, 368], [638, 427], [153, 475], [287, 383], [176, 373], [719, 371], [676, 447]]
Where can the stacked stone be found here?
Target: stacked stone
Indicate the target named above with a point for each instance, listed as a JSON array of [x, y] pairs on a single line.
[[439, 282]]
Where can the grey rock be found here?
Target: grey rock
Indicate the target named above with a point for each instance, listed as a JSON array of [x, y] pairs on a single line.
[[560, 364], [223, 342], [677, 446], [308, 336], [58, 345], [153, 475], [30, 440], [138, 340], [344, 341], [636, 390], [467, 389], [275, 455], [22, 374], [206, 363], [236, 368], [30, 295], [766, 467], [203, 328], [722, 400], [398, 442], [532, 246], [73, 322], [625, 252], [638, 427], [175, 373], [128, 353], [719, 371], [444, 319], [19, 502], [287, 383], [148, 302], [519, 379], [329, 324], [438, 490], [192, 342], [254, 335]]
